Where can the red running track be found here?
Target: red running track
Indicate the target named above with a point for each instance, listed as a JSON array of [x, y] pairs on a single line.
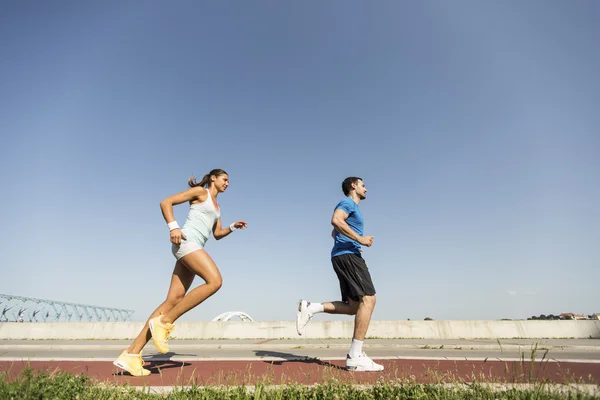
[[231, 372]]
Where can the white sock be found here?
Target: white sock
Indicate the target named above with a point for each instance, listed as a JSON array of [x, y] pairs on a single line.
[[356, 348], [314, 308]]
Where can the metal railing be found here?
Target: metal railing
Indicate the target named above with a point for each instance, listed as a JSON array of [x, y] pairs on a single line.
[[28, 309]]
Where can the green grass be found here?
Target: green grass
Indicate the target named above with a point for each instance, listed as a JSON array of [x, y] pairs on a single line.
[[31, 384]]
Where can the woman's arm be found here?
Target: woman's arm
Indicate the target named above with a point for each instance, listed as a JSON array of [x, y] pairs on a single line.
[[166, 206], [220, 233]]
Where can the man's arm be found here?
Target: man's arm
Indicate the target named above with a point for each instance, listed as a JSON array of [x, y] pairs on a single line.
[[339, 222]]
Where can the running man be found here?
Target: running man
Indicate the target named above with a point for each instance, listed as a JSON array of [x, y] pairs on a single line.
[[188, 248], [356, 286]]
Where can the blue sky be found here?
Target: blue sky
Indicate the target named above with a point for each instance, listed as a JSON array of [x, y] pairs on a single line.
[[474, 125]]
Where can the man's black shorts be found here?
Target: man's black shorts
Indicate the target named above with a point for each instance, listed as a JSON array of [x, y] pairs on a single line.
[[353, 274]]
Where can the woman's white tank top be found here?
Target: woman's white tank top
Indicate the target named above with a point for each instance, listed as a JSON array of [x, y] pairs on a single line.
[[200, 220]]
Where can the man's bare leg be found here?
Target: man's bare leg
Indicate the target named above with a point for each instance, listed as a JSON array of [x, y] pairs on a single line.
[[357, 360], [363, 317], [306, 310], [363, 310], [340, 307]]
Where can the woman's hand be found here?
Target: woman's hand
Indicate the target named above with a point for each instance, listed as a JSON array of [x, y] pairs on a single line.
[[240, 225], [176, 236]]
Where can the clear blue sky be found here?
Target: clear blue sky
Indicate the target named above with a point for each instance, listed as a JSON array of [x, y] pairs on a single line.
[[475, 126]]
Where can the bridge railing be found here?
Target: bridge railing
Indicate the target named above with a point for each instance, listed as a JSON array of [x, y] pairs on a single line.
[[29, 309]]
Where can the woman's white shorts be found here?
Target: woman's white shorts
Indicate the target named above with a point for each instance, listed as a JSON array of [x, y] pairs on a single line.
[[185, 248]]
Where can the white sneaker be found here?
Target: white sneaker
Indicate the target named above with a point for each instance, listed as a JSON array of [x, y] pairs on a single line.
[[302, 316], [362, 363]]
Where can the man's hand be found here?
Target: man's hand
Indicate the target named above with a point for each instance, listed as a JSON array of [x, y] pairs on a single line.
[[366, 240]]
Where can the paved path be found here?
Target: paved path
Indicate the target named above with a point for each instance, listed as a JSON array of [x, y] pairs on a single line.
[[236, 362]]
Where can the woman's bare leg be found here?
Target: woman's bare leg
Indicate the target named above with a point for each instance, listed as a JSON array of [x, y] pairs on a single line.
[[180, 283], [199, 263]]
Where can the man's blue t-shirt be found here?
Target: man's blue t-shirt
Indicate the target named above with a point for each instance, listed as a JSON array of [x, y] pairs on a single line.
[[343, 244]]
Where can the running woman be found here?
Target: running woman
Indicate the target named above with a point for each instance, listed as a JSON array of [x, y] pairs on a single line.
[[188, 248]]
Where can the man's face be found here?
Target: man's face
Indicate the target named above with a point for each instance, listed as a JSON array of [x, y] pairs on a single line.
[[360, 189]]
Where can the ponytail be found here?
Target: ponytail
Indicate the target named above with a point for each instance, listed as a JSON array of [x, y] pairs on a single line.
[[205, 182]]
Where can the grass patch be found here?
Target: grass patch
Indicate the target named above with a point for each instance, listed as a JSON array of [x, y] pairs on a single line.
[[32, 384]]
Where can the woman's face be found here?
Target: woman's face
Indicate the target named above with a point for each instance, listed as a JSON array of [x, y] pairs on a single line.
[[221, 182]]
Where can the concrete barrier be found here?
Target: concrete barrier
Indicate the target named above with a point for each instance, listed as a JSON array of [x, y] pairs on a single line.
[[315, 330]]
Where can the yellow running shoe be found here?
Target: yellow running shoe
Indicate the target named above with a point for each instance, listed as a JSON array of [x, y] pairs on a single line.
[[160, 334], [132, 363]]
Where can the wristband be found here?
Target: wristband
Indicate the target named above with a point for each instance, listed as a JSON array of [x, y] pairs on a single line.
[[232, 227], [172, 225]]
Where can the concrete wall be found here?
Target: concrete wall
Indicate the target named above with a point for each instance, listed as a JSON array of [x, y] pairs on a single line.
[[314, 330]]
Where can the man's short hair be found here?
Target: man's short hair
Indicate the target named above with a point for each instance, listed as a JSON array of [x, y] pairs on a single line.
[[347, 184]]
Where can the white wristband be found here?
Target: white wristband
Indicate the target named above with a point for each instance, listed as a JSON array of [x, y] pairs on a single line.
[[232, 227], [172, 225]]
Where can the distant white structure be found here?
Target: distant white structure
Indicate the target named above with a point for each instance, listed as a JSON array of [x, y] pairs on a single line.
[[226, 316]]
